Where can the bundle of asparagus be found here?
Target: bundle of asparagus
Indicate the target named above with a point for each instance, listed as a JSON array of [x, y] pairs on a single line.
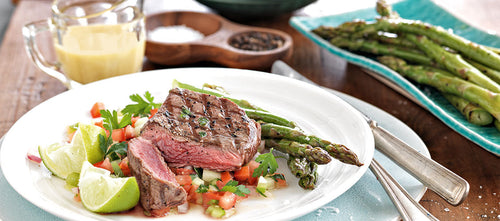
[[466, 73], [305, 152]]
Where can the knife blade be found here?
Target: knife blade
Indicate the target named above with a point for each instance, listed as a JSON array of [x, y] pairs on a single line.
[[453, 188]]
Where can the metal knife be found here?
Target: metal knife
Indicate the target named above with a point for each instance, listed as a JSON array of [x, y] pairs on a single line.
[[453, 188]]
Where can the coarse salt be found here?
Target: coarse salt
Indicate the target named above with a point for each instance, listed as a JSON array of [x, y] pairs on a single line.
[[174, 34]]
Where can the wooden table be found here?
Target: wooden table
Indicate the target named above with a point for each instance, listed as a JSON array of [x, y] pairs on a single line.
[[23, 86]]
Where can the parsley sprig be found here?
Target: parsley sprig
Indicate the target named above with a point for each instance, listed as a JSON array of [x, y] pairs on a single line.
[[268, 164], [233, 187], [143, 106], [113, 151]]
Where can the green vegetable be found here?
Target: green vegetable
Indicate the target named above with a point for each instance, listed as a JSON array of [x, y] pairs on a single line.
[[337, 151], [215, 211], [233, 187], [453, 62], [269, 118], [313, 154], [268, 164], [486, 99], [116, 168], [143, 106], [110, 120], [473, 113]]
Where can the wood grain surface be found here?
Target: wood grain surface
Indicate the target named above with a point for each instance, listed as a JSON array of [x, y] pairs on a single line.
[[23, 86]]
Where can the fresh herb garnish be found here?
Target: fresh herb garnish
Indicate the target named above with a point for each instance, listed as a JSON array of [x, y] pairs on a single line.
[[233, 187], [110, 120], [277, 176], [202, 189], [203, 121], [202, 134], [185, 112], [268, 164], [112, 151], [143, 106]]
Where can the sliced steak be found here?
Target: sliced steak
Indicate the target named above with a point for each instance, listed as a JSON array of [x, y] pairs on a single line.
[[204, 131], [157, 184]]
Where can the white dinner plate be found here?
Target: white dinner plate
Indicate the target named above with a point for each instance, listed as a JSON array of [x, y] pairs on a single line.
[[315, 110]]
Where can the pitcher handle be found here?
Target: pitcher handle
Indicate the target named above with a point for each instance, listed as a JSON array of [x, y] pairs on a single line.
[[30, 31]]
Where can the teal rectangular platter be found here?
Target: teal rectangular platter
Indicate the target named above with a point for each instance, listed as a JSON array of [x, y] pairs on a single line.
[[426, 11]]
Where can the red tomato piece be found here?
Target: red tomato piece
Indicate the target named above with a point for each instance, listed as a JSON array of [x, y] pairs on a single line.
[[227, 200], [118, 135], [124, 167], [183, 170], [208, 196], [99, 123], [193, 196], [133, 120], [153, 112], [95, 112], [129, 132], [105, 164], [242, 174]]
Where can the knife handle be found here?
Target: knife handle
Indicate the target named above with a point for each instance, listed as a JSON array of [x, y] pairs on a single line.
[[436, 177]]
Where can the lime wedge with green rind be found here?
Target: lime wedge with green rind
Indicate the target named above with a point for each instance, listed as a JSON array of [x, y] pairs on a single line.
[[105, 194], [64, 159]]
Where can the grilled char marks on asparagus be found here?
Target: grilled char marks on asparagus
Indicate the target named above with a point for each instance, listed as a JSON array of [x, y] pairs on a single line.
[[337, 151]]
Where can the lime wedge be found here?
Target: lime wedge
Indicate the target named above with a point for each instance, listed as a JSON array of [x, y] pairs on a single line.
[[64, 159], [105, 194]]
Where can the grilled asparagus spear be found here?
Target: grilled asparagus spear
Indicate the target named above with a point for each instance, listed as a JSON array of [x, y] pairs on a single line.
[[312, 154], [337, 151]]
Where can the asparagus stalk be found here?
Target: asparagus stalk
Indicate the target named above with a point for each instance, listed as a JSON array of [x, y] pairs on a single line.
[[453, 62], [298, 166], [493, 74], [438, 34], [486, 99], [304, 170], [312, 154], [269, 118], [337, 151], [473, 113], [241, 103], [371, 46]]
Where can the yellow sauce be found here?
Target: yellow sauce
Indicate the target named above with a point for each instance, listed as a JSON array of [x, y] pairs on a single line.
[[94, 52]]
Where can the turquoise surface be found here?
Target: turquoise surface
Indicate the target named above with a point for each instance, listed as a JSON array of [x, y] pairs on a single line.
[[427, 11]]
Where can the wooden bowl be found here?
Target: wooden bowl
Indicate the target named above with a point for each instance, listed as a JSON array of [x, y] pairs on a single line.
[[215, 46]]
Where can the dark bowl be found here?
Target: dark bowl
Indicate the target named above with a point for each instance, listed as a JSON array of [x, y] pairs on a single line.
[[254, 9]]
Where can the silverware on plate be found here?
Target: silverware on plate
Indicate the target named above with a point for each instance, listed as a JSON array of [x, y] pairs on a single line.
[[447, 184]]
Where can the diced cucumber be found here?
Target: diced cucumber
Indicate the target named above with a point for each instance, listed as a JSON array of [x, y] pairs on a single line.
[[198, 182], [210, 175], [215, 211], [266, 183]]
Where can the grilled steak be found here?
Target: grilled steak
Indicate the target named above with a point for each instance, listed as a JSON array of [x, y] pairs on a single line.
[[157, 184], [202, 130]]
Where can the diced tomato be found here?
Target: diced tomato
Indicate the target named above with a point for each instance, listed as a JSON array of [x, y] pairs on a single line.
[[224, 178], [95, 112], [133, 120], [227, 200], [124, 167], [129, 132], [252, 166], [242, 174], [281, 183], [105, 164], [208, 196], [34, 158], [183, 179], [182, 170], [153, 112], [187, 187], [99, 123], [193, 196], [118, 135], [77, 198]]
